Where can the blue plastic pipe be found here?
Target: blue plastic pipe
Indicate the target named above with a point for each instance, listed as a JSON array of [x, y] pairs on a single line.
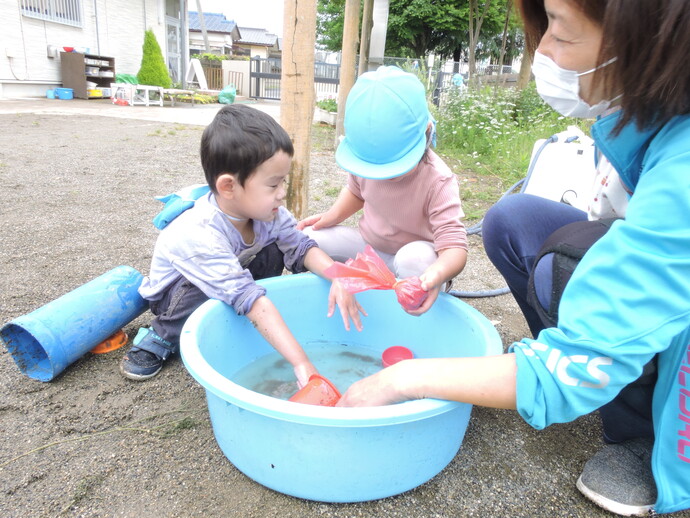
[[44, 342]]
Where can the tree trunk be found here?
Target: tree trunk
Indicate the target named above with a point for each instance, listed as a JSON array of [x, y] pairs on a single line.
[[509, 7], [476, 21], [297, 96], [470, 56], [347, 62], [525, 71], [365, 38]]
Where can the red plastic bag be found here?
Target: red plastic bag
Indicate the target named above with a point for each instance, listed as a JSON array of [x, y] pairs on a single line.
[[368, 272]]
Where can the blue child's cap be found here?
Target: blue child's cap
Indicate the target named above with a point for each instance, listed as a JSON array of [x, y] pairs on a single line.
[[386, 118]]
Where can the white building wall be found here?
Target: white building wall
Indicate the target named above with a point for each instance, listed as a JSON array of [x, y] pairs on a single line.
[[258, 52], [112, 28], [122, 30], [216, 40]]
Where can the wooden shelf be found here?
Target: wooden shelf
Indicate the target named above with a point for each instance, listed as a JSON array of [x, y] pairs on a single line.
[[79, 68]]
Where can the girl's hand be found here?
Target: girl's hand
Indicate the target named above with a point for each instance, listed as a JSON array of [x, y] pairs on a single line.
[[431, 283], [347, 303], [431, 297], [317, 222]]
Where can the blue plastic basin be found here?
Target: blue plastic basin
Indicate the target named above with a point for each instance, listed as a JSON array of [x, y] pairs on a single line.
[[324, 453]]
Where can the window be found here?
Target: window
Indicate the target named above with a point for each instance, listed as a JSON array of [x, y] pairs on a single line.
[[59, 11]]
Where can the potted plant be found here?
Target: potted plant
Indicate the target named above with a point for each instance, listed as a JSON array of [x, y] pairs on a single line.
[[327, 111]]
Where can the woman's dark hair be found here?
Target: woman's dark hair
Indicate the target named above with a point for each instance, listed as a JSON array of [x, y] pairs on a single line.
[[651, 41], [238, 140]]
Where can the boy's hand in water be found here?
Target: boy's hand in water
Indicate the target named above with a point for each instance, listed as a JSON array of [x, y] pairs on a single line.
[[302, 372]]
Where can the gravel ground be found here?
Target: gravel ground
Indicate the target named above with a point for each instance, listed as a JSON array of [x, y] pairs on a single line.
[[78, 202]]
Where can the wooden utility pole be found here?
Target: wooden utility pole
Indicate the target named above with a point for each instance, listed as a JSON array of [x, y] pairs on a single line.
[[347, 62], [365, 38], [297, 95], [202, 23]]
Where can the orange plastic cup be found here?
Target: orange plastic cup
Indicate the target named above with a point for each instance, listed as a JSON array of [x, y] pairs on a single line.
[[395, 354], [113, 342], [319, 391]]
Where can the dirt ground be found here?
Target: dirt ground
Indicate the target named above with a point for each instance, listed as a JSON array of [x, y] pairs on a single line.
[[78, 201]]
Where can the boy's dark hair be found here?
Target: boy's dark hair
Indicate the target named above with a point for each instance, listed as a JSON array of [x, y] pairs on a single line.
[[650, 41], [238, 140]]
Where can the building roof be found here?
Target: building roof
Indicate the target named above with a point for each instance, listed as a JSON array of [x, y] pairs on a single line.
[[253, 36], [215, 22]]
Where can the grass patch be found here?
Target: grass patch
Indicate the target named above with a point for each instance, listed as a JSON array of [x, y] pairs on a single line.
[[322, 138]]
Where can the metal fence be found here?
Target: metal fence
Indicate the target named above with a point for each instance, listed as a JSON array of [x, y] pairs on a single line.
[[326, 79], [265, 76], [264, 79]]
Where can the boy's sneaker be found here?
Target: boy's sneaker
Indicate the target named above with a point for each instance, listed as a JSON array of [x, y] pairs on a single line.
[[145, 359], [619, 478]]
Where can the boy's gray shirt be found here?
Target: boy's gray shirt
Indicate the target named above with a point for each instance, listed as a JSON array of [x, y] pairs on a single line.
[[202, 245]]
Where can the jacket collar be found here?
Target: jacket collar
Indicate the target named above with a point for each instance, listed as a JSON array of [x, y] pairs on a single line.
[[626, 150]]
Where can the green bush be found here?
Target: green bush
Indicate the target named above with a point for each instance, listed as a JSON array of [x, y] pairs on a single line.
[[329, 105], [209, 56], [153, 71]]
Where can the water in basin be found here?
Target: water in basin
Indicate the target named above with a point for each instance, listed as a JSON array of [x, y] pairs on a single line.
[[341, 363]]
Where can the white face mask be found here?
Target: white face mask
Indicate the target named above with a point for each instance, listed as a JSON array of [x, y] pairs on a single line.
[[560, 88]]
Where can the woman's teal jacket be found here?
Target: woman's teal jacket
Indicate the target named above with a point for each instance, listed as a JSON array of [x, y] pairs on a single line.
[[628, 300]]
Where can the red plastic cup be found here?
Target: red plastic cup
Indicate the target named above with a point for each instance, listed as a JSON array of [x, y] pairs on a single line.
[[319, 391], [395, 354]]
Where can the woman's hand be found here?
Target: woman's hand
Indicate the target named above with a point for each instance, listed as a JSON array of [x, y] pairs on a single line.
[[382, 388], [347, 303], [483, 380]]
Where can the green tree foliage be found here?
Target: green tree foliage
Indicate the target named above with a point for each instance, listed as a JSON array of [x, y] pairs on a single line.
[[329, 24], [515, 41], [419, 27], [153, 70]]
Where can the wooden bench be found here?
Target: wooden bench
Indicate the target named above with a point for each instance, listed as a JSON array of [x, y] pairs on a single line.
[[136, 94]]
